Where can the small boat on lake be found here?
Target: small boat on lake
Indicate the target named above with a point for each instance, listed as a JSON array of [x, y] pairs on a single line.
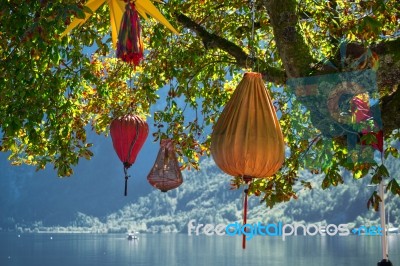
[[133, 236]]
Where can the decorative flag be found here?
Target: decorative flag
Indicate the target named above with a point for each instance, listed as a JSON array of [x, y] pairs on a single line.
[[117, 12]]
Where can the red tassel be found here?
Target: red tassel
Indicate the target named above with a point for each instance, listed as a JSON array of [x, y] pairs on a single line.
[[244, 219], [247, 180], [130, 45]]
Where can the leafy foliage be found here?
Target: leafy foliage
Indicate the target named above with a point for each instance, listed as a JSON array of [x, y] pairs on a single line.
[[52, 91]]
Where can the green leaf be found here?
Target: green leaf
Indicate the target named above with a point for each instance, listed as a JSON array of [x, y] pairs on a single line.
[[87, 10], [373, 23], [391, 151], [369, 138], [383, 171], [393, 186], [376, 179], [80, 13], [374, 201]]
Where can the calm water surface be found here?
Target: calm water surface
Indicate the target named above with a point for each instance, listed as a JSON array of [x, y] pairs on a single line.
[[180, 249]]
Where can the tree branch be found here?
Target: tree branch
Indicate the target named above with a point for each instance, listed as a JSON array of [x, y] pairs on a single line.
[[389, 64], [211, 41], [298, 61], [293, 51], [390, 108], [297, 58], [388, 78]]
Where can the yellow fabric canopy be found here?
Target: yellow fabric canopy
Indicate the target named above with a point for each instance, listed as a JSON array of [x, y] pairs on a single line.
[[117, 8], [247, 139]]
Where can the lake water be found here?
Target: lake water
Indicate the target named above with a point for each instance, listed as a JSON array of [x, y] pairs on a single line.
[[180, 249]]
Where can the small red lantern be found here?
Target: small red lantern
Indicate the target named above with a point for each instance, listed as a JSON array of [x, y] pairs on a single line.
[[166, 173], [128, 134]]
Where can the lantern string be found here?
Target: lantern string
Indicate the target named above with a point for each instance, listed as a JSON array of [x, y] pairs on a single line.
[[247, 180], [131, 85], [171, 90], [171, 45], [251, 43], [126, 180], [245, 217]]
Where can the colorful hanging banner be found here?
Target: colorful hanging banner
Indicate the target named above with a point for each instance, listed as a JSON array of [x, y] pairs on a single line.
[[117, 8]]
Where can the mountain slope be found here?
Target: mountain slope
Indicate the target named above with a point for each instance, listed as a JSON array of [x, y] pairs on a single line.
[[206, 198]]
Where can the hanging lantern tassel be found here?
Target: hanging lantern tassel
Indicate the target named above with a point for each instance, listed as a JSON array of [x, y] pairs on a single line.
[[247, 180], [130, 45], [126, 179]]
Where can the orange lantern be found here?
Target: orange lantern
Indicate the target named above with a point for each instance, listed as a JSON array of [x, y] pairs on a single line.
[[247, 140]]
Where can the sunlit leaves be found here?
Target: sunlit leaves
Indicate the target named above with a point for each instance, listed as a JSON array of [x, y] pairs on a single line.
[[47, 86], [52, 91], [325, 23]]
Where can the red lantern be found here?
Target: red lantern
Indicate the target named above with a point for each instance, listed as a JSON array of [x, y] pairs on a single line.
[[166, 173], [128, 134]]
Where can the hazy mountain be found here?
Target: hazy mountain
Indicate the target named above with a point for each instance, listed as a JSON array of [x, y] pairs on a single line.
[[204, 196]]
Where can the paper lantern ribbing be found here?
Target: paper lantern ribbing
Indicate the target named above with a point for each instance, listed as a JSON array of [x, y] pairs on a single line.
[[247, 140], [166, 173], [128, 134]]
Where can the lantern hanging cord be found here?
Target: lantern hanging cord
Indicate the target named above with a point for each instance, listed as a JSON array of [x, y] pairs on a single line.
[[247, 180], [130, 80], [251, 43], [126, 180], [171, 45]]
